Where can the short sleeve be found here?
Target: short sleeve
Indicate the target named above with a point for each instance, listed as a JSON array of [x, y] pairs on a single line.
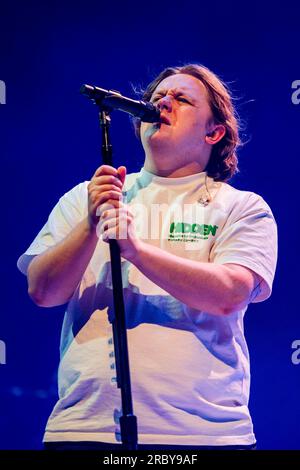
[[249, 238], [68, 212]]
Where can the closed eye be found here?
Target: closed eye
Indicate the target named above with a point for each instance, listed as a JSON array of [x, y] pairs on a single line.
[[156, 98], [182, 99]]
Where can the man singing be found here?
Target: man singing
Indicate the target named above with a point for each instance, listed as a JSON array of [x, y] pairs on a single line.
[[195, 252]]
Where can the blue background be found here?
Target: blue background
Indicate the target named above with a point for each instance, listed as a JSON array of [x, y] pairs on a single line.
[[50, 142]]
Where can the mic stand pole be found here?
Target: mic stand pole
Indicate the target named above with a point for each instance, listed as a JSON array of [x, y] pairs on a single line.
[[128, 421]]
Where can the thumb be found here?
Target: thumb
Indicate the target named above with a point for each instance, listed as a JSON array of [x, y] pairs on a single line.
[[122, 173]]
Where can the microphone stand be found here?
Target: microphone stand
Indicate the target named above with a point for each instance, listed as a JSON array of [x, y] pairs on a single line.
[[128, 421]]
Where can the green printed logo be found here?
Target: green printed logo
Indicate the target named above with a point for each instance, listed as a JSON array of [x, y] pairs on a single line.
[[184, 232]]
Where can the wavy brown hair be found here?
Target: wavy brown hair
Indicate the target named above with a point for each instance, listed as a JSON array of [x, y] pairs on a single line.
[[223, 162]]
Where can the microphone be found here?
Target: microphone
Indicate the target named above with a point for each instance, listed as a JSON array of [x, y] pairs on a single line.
[[113, 99]]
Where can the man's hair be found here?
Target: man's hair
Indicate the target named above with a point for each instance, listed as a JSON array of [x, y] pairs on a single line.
[[223, 162]]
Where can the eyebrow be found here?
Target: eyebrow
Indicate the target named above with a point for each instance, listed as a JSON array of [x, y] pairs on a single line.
[[176, 90]]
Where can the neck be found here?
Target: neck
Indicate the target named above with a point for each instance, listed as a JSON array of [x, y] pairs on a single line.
[[173, 171]]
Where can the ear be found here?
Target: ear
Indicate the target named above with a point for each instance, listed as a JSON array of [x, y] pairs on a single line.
[[214, 136]]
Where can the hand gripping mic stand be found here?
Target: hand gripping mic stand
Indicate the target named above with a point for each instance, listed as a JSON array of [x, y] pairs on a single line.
[[128, 421]]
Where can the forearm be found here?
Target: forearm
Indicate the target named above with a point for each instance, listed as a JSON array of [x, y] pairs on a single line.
[[54, 275], [203, 286]]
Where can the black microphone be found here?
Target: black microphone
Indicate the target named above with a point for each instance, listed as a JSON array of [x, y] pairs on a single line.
[[113, 99]]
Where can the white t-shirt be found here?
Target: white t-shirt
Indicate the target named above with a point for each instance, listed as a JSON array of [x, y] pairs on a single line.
[[189, 369]]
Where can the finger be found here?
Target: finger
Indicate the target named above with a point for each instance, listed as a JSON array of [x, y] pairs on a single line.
[[107, 223], [106, 170], [104, 224], [108, 211], [122, 173], [96, 191], [109, 195], [114, 233], [106, 179], [116, 225], [107, 215], [109, 234], [111, 215], [110, 205]]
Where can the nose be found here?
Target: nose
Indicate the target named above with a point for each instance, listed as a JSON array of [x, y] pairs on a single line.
[[165, 103]]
